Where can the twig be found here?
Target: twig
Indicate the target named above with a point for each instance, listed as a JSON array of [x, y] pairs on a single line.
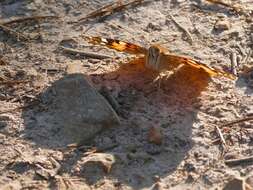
[[237, 9], [182, 28], [8, 82], [239, 161], [241, 50], [234, 63], [11, 31], [110, 9], [86, 54], [238, 121], [249, 114], [98, 12], [23, 19], [248, 55], [224, 145]]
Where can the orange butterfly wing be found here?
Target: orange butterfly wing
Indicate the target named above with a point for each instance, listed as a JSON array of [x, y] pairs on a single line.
[[188, 61], [135, 49], [116, 45]]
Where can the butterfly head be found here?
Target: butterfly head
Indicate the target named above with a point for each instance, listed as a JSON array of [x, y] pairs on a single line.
[[153, 57]]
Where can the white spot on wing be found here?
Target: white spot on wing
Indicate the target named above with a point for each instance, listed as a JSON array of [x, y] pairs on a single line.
[[122, 43], [104, 41]]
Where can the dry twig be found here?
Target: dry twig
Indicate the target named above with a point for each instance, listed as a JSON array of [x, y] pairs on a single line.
[[182, 28], [234, 63], [13, 32], [233, 7], [239, 161], [86, 54], [110, 9], [249, 118], [12, 82], [246, 59], [224, 145], [241, 50], [23, 19], [18, 34], [98, 12]]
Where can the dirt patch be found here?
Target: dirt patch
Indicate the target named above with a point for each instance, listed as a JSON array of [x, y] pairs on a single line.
[[186, 108]]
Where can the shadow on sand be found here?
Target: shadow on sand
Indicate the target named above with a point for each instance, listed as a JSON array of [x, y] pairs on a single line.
[[173, 108]]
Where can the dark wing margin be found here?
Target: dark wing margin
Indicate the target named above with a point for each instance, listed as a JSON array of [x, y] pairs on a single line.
[[116, 45], [198, 65]]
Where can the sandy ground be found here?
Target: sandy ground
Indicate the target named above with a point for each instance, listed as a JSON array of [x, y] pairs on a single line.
[[186, 108]]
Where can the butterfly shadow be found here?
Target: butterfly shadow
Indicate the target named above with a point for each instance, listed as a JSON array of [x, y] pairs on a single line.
[[142, 104], [172, 108], [245, 82]]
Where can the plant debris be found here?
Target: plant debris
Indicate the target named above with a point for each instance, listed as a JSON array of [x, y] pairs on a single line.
[[110, 9]]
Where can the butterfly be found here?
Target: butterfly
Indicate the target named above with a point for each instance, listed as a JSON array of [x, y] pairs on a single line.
[[157, 58]]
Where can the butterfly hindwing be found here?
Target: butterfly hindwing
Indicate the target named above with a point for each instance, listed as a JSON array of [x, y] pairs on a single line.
[[198, 65]]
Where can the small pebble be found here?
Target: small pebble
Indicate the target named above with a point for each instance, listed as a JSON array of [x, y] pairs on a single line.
[[222, 25]]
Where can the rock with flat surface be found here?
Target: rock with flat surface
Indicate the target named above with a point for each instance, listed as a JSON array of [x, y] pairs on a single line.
[[79, 109], [222, 25], [235, 184], [249, 183]]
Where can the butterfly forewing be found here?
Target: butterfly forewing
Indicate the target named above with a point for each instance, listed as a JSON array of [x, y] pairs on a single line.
[[116, 45]]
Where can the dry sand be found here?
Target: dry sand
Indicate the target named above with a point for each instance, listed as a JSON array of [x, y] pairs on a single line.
[[186, 109]]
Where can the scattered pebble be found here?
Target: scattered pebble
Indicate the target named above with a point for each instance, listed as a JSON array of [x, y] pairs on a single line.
[[222, 25], [105, 160]]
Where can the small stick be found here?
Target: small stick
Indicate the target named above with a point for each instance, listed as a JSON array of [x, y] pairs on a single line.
[[241, 50], [237, 9], [216, 140], [11, 31], [97, 12], [8, 82], [23, 19], [182, 28], [234, 63], [237, 121], [110, 9], [221, 137], [239, 161], [86, 54], [245, 61]]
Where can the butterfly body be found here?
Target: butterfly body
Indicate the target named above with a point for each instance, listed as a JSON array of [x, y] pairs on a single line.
[[157, 58]]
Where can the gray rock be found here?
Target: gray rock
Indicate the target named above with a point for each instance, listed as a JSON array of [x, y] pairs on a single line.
[[222, 25], [249, 183], [79, 109], [234, 184]]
